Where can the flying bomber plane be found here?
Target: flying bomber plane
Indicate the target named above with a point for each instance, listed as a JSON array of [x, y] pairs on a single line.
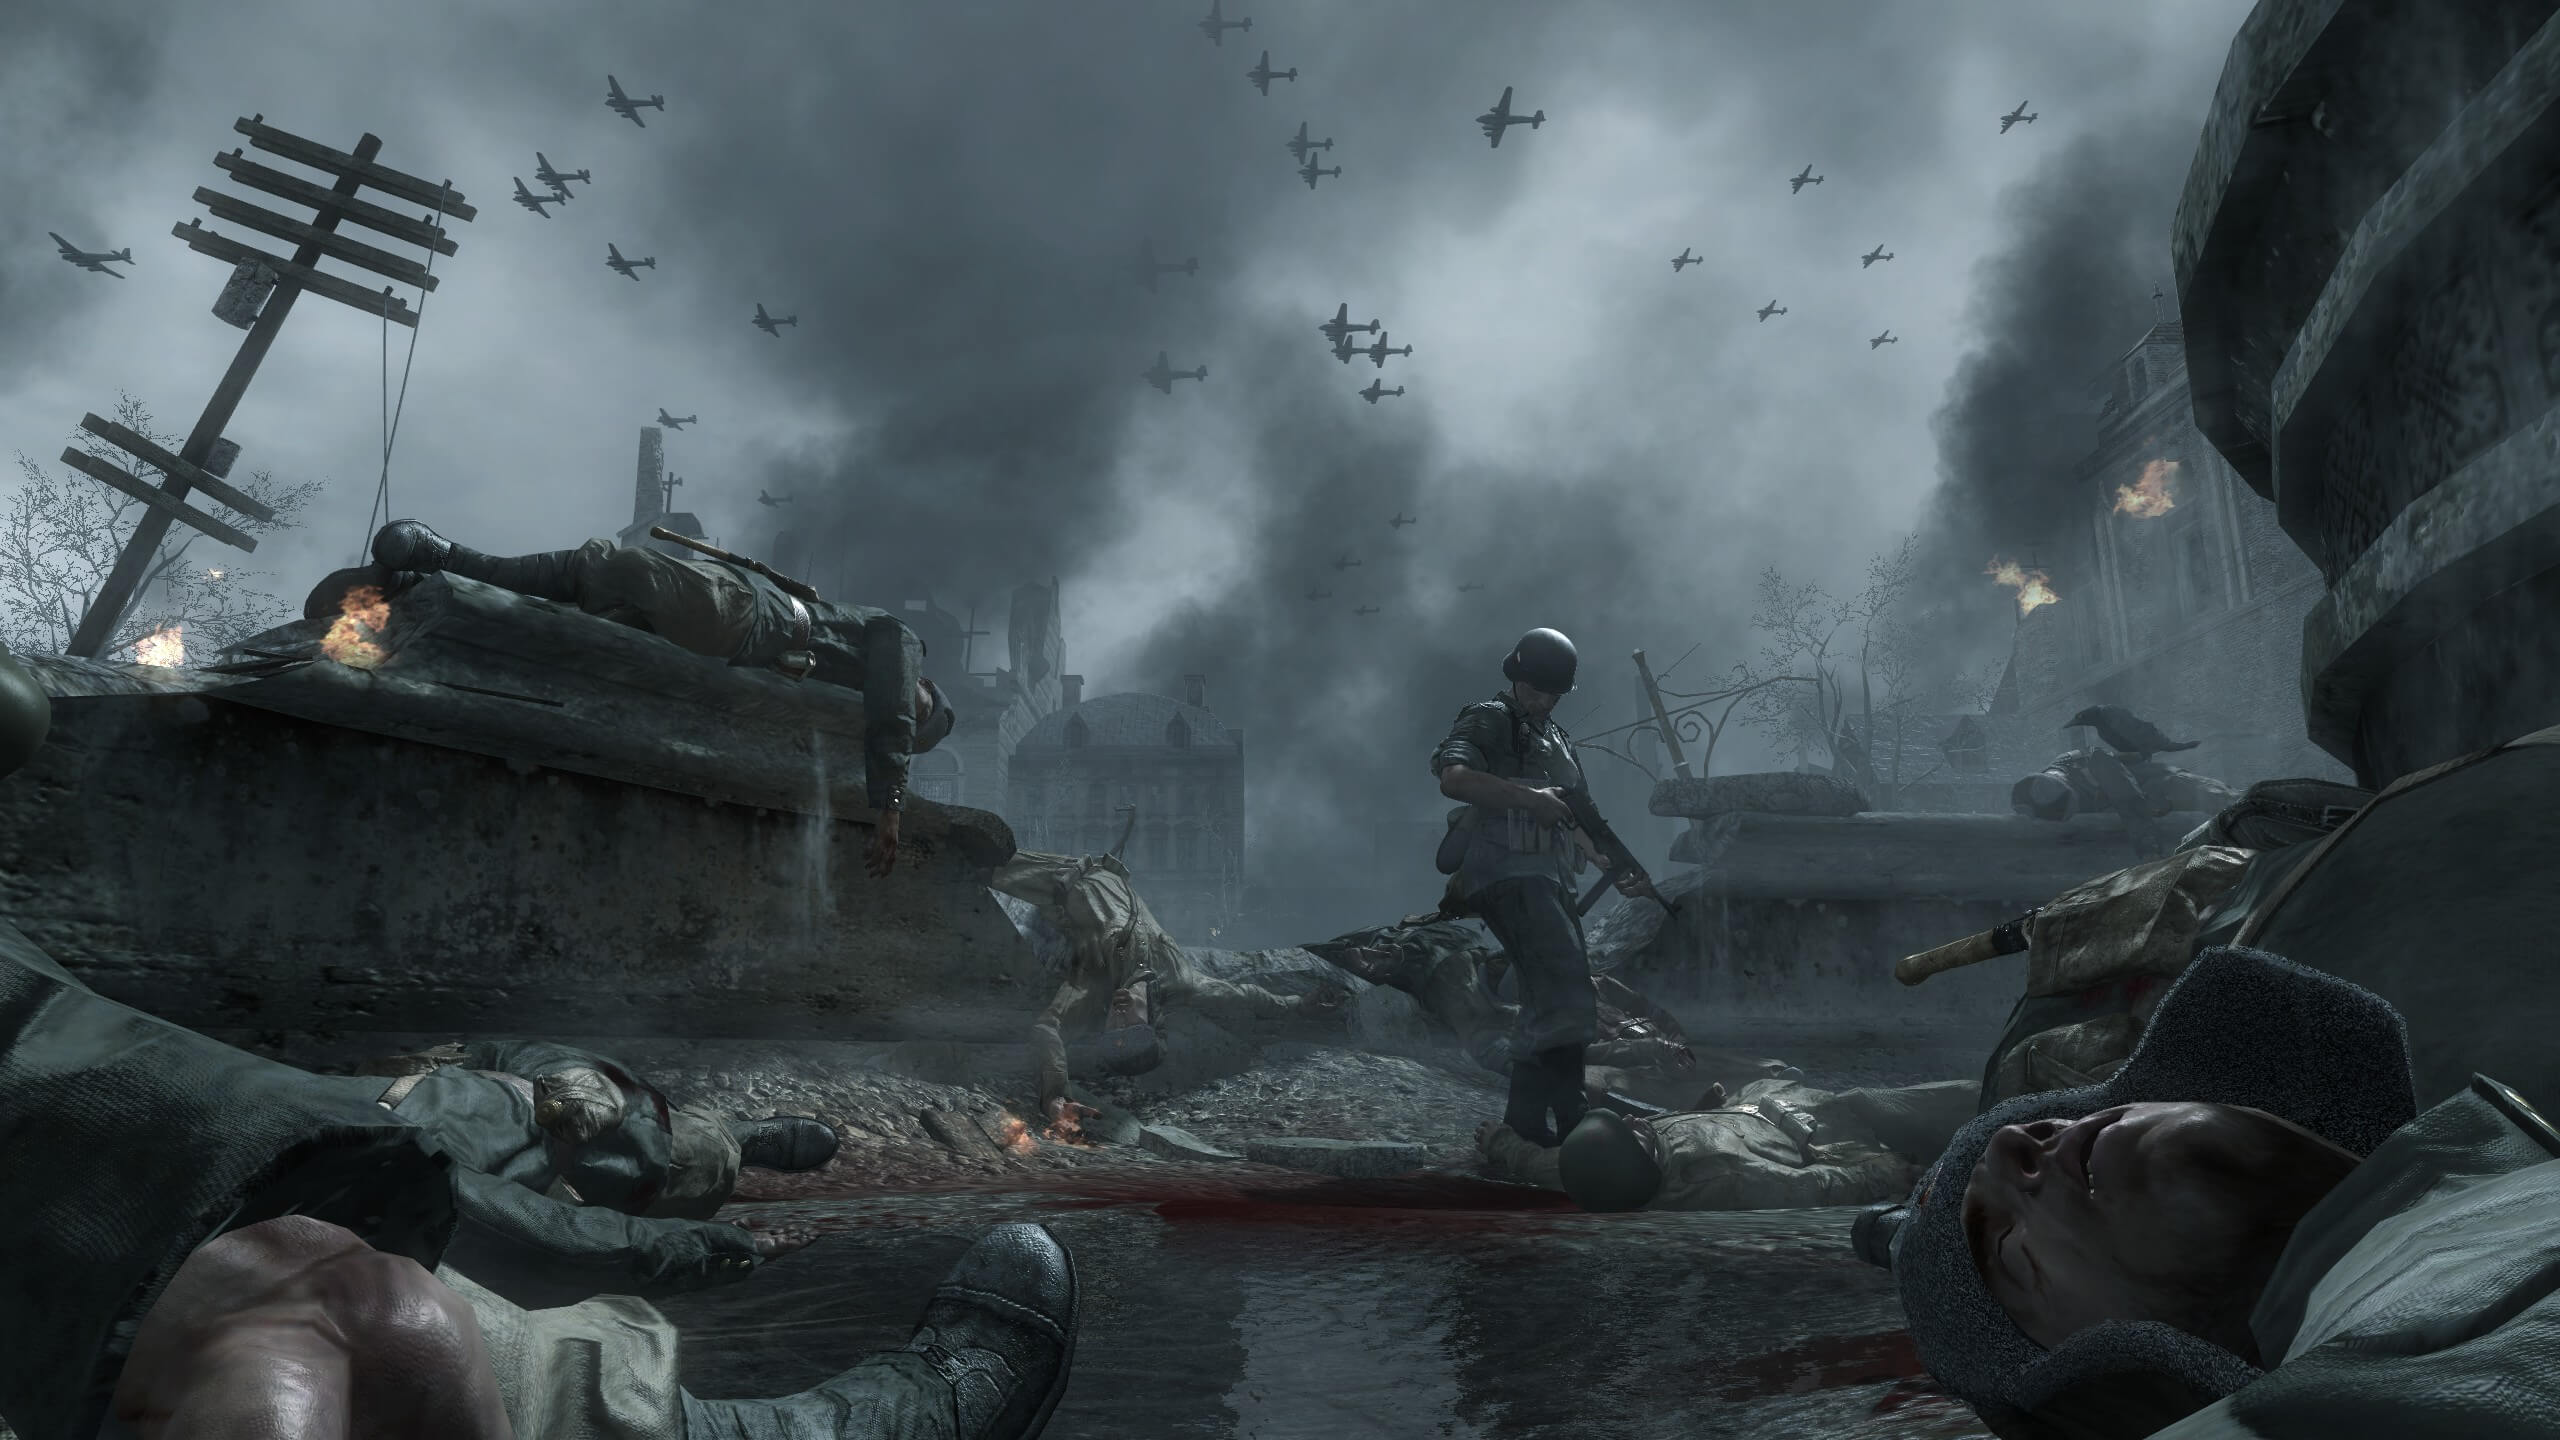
[[628, 108], [675, 422], [558, 180], [613, 261], [1319, 594], [1872, 256], [1802, 178], [1262, 75], [1500, 118], [1772, 308], [1378, 388], [1887, 338], [2018, 116], [1400, 520], [96, 260], [1364, 610], [1311, 172], [1467, 585], [1345, 561], [533, 202], [1379, 352], [1344, 349], [1684, 258], [1162, 375], [1216, 27], [1299, 144], [1149, 267], [769, 501], [772, 325], [1340, 325]]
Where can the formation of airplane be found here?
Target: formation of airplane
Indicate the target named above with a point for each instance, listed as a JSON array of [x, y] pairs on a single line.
[[769, 501], [533, 202], [2018, 116], [772, 325], [1467, 585], [1500, 118], [1262, 74], [1378, 388], [1319, 594], [613, 261], [1217, 26], [1162, 375], [1682, 259], [1399, 520], [1340, 325], [97, 260], [557, 179], [1379, 352], [675, 422], [628, 108], [1344, 348], [1887, 338], [1149, 267], [1872, 256], [1299, 144], [1772, 308], [1311, 172], [1364, 610], [1802, 178], [1345, 561]]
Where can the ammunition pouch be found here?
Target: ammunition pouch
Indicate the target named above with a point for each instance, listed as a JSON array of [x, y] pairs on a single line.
[[1453, 843]]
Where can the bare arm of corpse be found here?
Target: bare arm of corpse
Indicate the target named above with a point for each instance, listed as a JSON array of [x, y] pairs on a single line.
[[294, 1329]]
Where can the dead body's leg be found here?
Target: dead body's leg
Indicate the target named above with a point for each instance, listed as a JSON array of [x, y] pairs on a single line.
[[1237, 1006], [702, 606]]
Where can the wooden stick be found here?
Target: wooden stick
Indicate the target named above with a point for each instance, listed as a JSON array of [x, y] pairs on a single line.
[[418, 232], [2006, 939], [300, 277], [159, 500], [358, 168], [196, 476], [398, 268]]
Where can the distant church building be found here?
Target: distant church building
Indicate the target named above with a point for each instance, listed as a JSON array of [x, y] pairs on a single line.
[[653, 499], [1166, 771]]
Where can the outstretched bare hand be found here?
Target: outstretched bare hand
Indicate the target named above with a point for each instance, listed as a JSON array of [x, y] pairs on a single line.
[[882, 855], [777, 1240]]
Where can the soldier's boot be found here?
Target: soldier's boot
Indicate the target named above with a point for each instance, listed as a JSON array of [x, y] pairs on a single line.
[[1526, 1109], [987, 1362], [1563, 1065], [410, 545], [784, 1142], [328, 599]]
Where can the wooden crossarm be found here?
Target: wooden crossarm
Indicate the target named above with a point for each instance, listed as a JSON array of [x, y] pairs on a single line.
[[371, 302], [373, 217], [339, 247], [158, 499], [134, 444], [338, 162]]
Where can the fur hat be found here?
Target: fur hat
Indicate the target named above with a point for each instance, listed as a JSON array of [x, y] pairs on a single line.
[[2241, 1027]]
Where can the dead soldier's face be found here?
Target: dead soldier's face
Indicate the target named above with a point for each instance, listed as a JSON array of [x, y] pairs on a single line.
[[2174, 1213]]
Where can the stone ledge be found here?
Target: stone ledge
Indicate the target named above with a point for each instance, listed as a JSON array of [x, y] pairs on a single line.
[[1902, 856]]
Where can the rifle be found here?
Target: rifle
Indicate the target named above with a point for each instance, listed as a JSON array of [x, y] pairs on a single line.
[[1615, 858], [2006, 938], [797, 589]]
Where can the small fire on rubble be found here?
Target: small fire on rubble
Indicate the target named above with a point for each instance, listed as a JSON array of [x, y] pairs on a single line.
[[2034, 587], [1015, 1136], [165, 646], [2149, 496], [362, 617]]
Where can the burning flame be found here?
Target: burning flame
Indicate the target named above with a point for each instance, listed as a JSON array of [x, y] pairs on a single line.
[[1015, 1136], [2034, 587], [167, 646], [362, 617], [2149, 497], [214, 573]]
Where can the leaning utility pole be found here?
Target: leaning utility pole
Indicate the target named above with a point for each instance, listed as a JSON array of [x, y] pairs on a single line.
[[258, 298], [1662, 717]]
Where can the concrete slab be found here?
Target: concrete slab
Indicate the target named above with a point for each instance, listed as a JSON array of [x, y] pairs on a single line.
[[1175, 1143]]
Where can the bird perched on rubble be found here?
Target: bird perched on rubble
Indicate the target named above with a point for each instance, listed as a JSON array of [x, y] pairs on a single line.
[[2127, 733]]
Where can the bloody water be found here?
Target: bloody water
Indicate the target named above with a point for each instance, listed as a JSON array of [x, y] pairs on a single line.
[[1439, 1306]]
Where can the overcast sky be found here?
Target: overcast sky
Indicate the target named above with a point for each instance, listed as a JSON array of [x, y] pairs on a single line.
[[951, 195]]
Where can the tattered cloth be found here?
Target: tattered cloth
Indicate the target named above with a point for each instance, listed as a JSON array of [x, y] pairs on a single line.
[[2137, 921], [125, 1143]]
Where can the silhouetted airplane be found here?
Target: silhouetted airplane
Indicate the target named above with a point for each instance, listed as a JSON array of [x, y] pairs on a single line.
[[1344, 349], [533, 202], [1149, 267], [628, 108], [1772, 308], [1340, 325], [1319, 594], [1162, 375], [674, 422], [1466, 586], [1682, 259], [97, 260], [769, 501], [1500, 118], [1797, 182], [2018, 116], [1379, 352], [1345, 561], [1872, 256], [1400, 520], [613, 261], [1299, 145], [772, 325], [556, 179], [1887, 338], [1262, 75], [1378, 388], [1216, 28], [1364, 610], [1311, 172]]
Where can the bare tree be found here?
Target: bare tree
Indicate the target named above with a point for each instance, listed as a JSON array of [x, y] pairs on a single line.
[[60, 534]]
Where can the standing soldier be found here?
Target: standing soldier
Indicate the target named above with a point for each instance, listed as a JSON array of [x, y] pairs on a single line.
[[1514, 852]]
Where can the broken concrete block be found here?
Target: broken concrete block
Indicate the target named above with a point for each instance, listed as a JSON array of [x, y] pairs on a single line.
[[1175, 1143], [1348, 1159], [958, 1132]]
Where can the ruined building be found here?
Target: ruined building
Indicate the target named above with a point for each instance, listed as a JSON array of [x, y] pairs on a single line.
[[1080, 772], [653, 498], [2173, 593], [996, 708]]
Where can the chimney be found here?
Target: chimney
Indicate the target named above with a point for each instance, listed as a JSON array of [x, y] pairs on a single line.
[[1070, 691], [1195, 690], [649, 493]]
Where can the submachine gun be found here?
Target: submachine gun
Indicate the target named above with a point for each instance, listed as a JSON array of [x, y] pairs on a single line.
[[1615, 858]]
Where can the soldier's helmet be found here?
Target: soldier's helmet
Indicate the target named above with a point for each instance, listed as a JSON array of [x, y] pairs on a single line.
[[1544, 659], [25, 714]]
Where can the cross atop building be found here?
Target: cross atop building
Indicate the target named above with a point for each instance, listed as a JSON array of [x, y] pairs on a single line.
[[667, 504]]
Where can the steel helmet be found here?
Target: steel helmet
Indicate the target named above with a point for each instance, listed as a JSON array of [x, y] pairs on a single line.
[[1544, 659]]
